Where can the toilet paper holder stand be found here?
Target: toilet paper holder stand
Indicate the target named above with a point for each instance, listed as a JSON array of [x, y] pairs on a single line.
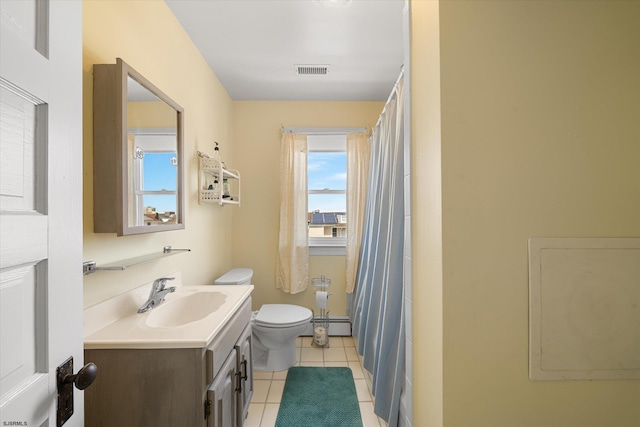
[[321, 319]]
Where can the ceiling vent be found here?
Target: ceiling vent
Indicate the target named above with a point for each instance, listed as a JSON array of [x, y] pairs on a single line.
[[312, 70]]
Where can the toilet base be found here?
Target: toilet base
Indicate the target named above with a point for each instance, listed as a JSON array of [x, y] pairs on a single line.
[[267, 360]]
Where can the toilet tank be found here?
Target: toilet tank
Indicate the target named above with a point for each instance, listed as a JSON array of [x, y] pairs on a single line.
[[237, 276]]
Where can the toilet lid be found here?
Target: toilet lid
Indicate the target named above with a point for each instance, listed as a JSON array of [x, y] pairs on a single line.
[[282, 314]]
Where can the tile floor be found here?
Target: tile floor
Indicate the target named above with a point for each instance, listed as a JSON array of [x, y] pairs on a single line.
[[268, 386]]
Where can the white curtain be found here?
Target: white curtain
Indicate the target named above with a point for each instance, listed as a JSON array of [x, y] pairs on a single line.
[[358, 154], [292, 261], [378, 302]]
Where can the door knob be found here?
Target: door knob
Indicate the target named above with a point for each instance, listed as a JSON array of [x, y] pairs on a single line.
[[66, 380], [84, 378]]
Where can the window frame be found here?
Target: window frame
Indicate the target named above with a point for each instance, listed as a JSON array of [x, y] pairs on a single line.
[[323, 246]]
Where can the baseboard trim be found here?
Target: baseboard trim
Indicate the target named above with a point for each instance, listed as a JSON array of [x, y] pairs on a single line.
[[339, 326]]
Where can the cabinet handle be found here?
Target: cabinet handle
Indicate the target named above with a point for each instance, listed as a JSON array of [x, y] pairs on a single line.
[[245, 376], [207, 408], [239, 382]]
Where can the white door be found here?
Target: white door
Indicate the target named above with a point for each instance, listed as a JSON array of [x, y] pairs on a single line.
[[40, 206]]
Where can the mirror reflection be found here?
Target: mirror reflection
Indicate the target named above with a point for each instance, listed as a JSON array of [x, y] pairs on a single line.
[[153, 158], [137, 154]]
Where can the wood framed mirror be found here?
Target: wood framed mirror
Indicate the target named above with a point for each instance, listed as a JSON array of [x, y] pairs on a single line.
[[137, 154]]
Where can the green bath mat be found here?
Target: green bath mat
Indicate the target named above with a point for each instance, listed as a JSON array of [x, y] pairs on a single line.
[[319, 397]]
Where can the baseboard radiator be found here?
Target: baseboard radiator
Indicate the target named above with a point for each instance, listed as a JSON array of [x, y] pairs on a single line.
[[339, 326]]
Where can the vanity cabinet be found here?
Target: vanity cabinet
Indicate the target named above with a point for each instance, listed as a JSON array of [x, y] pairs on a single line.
[[206, 387]]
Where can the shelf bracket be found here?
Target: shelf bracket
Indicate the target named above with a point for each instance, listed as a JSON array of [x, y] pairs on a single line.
[[88, 267]]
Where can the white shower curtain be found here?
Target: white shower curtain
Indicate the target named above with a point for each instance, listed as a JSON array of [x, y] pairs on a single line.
[[358, 156], [378, 309], [292, 260]]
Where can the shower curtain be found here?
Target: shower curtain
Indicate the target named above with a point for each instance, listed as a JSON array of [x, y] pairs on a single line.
[[378, 309], [358, 149]]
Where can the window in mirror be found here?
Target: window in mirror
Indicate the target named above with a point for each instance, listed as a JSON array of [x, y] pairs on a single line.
[[155, 177]]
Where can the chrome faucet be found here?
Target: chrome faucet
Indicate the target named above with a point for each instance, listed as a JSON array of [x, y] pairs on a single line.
[[157, 294]]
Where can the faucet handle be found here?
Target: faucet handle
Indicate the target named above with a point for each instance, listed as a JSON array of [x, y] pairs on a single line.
[[161, 282]]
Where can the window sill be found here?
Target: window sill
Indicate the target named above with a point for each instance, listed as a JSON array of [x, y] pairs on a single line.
[[327, 251]]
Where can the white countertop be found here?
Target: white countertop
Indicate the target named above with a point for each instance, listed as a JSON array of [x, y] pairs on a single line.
[[115, 323]]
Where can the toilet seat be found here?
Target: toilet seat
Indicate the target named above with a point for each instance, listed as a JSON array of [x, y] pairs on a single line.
[[282, 315]]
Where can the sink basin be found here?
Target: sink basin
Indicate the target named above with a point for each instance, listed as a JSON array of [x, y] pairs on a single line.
[[190, 317], [185, 309]]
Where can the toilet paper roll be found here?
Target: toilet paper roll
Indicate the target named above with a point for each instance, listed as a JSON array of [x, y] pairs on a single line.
[[320, 335], [321, 299]]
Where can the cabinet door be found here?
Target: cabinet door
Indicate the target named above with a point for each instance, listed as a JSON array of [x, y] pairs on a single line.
[[223, 395], [245, 368]]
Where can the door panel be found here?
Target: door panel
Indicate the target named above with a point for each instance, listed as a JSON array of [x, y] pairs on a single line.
[[40, 205], [24, 31], [19, 303], [18, 143], [20, 17], [223, 395]]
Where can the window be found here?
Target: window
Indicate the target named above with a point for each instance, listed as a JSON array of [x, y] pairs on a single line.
[[327, 188]]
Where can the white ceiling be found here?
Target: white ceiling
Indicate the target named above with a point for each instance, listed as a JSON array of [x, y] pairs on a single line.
[[253, 45]]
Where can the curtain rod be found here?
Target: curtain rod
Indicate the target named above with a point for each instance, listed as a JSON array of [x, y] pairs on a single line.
[[322, 131], [394, 90]]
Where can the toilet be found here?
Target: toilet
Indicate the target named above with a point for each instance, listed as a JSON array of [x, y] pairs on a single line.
[[274, 327]]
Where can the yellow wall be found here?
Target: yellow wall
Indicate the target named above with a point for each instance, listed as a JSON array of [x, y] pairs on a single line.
[[257, 131], [426, 214], [147, 36], [540, 138]]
